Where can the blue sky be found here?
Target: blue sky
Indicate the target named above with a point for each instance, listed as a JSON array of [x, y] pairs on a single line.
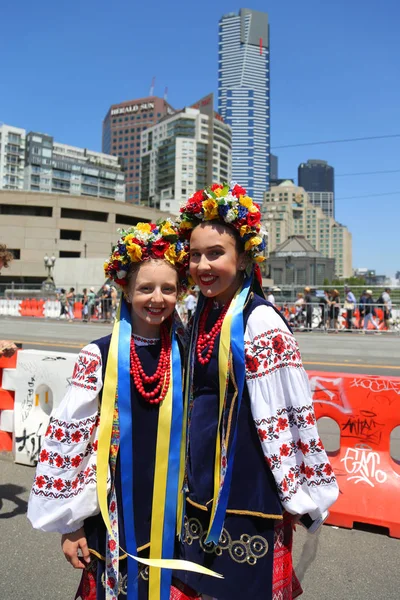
[[334, 75]]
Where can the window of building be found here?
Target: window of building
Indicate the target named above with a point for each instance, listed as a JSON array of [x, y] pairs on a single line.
[[86, 215], [70, 234], [15, 252], [128, 220], [30, 211], [69, 254]]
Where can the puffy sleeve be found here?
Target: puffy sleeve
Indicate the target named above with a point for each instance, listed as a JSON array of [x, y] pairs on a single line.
[[64, 489], [283, 414]]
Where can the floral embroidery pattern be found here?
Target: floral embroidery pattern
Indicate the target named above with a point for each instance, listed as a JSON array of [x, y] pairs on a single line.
[[67, 432], [63, 461], [269, 351], [290, 448], [313, 475], [84, 375], [270, 428], [57, 487]]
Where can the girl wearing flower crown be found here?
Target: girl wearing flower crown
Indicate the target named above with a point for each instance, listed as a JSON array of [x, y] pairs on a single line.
[[254, 458], [107, 478]]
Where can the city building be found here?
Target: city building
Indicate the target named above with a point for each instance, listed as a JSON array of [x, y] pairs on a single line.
[[186, 151], [273, 172], [296, 262], [58, 168], [122, 128], [33, 224], [287, 211], [244, 96], [317, 178], [12, 157]]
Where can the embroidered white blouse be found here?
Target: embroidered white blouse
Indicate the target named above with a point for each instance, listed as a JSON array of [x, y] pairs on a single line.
[[284, 417], [64, 491]]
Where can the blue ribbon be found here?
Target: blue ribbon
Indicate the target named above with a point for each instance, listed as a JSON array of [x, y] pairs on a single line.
[[126, 448], [237, 348], [171, 494]]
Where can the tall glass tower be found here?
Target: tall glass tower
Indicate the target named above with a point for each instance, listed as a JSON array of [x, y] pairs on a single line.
[[243, 96]]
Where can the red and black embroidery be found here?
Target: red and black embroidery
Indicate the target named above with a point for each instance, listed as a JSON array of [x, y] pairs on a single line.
[[72, 433], [84, 375], [291, 448], [313, 475], [269, 351], [64, 461], [270, 428], [57, 487]]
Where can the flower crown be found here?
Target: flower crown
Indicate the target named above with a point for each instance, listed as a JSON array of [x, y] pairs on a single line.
[[142, 242], [231, 206]]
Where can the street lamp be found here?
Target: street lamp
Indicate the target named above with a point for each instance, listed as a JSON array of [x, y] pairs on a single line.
[[48, 285]]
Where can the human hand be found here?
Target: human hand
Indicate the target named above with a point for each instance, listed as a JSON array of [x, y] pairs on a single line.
[[71, 543], [7, 348]]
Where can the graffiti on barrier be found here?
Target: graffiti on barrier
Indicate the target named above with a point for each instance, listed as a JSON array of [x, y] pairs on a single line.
[[377, 385], [31, 443], [27, 402], [364, 427], [362, 464], [329, 390]]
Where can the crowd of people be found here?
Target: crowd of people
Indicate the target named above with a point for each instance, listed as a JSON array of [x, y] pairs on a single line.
[[101, 305], [331, 308]]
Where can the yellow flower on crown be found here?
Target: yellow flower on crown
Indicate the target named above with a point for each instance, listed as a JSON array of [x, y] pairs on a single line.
[[167, 230], [245, 229], [259, 258], [218, 192], [106, 267], [143, 227], [186, 224], [210, 207], [253, 208], [134, 251], [246, 201], [170, 255], [182, 256], [254, 241]]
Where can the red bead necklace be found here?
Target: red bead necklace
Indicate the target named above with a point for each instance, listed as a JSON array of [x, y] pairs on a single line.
[[207, 340], [162, 375]]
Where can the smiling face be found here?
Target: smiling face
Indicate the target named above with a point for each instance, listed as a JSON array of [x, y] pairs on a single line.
[[215, 263], [152, 292]]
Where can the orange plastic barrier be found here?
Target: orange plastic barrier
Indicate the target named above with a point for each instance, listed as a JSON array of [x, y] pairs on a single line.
[[6, 402], [367, 409], [78, 308]]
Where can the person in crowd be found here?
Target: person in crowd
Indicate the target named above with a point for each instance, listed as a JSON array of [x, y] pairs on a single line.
[[349, 306], [254, 456], [98, 444], [309, 307], [91, 303], [271, 297], [70, 305], [114, 302], [62, 298], [334, 310], [299, 306], [190, 304], [7, 348], [85, 305], [369, 311], [387, 307], [323, 304], [361, 308], [106, 303]]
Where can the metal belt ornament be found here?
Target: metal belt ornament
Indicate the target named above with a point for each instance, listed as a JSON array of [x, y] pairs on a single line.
[[231, 345], [167, 464]]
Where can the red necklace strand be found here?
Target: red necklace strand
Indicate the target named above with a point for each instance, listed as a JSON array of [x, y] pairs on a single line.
[[207, 340], [162, 375]]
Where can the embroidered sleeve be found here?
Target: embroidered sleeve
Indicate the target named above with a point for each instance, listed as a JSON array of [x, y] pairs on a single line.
[[64, 489], [284, 417]]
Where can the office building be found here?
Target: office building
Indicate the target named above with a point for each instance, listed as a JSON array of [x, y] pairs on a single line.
[[12, 157], [317, 178], [122, 128], [186, 151], [58, 168], [287, 211], [244, 96]]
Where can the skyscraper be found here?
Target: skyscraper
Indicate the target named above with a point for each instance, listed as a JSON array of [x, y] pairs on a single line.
[[317, 178], [122, 127], [243, 96]]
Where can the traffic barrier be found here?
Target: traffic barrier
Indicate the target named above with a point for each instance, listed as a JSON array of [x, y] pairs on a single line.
[[367, 409], [6, 406], [36, 384]]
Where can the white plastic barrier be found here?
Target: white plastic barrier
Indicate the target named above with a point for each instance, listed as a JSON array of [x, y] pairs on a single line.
[[52, 309], [39, 381], [9, 308]]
